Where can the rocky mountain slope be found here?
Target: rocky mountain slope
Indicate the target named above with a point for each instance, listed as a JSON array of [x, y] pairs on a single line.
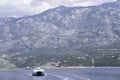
[[67, 29]]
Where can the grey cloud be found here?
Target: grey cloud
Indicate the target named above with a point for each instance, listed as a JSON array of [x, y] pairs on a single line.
[[8, 13], [69, 2], [18, 8]]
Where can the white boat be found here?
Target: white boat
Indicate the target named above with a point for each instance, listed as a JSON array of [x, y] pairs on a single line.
[[38, 72]]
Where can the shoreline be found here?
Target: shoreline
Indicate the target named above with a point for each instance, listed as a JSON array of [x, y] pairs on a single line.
[[58, 68], [78, 67]]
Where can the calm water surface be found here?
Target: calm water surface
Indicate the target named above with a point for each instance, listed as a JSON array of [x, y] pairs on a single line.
[[64, 74]]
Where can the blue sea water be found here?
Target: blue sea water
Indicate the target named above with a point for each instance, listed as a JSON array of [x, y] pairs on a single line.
[[64, 74]]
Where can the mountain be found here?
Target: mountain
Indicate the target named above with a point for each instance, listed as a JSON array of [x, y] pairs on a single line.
[[79, 31]]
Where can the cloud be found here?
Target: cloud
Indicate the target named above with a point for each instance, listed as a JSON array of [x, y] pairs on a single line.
[[30, 7], [87, 3], [21, 7], [92, 2]]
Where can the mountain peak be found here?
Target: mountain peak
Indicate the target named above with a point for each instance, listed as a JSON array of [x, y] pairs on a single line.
[[61, 7]]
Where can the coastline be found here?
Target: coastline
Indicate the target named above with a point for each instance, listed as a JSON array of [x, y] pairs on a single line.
[[78, 67], [58, 68]]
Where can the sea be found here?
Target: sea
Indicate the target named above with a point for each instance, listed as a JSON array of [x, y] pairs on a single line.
[[63, 74]]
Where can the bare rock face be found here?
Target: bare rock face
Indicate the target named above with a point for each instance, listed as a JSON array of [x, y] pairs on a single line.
[[4, 64], [61, 27]]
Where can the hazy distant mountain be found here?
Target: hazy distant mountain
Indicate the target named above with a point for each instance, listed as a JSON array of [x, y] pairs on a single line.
[[62, 27]]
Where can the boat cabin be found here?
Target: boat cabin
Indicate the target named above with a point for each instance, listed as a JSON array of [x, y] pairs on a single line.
[[38, 72]]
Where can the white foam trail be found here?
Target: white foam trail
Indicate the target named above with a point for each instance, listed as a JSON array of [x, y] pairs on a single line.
[[61, 77], [38, 78], [79, 77], [84, 78]]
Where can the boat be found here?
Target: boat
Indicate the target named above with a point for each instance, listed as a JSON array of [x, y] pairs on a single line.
[[38, 72]]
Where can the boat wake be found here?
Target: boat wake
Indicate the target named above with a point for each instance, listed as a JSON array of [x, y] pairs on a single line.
[[63, 74], [50, 76]]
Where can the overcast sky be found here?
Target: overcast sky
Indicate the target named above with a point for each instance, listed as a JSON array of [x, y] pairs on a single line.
[[29, 7]]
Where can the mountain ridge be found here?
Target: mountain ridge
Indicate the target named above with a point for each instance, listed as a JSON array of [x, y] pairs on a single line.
[[75, 19], [76, 31]]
